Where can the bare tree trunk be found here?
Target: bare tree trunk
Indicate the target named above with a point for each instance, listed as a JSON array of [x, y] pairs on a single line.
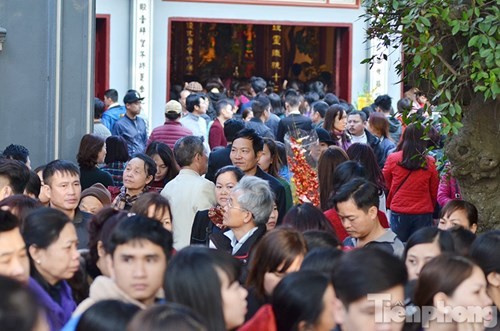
[[475, 157]]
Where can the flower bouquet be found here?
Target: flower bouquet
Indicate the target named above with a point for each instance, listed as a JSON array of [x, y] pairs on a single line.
[[303, 152]]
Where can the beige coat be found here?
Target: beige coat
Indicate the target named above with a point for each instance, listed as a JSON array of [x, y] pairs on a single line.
[[187, 194], [104, 288]]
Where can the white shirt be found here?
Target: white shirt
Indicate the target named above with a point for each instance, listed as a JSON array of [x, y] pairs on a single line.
[[197, 125], [359, 139], [187, 194]]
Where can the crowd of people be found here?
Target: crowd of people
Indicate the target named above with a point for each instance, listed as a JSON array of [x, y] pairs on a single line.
[[196, 225]]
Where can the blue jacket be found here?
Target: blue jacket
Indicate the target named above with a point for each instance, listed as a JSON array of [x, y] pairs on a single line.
[[135, 132], [110, 116]]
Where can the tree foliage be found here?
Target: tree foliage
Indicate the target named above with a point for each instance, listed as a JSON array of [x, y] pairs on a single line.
[[450, 46]]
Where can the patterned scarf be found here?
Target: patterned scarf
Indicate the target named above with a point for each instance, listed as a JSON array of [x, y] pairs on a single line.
[[124, 201], [216, 215]]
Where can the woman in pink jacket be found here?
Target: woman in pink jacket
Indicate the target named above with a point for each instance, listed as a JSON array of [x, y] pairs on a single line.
[[448, 188], [412, 180]]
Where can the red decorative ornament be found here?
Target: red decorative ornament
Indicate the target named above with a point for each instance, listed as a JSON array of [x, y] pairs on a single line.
[[216, 215], [304, 177]]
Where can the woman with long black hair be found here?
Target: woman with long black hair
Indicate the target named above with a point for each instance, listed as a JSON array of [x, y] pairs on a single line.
[[166, 166], [412, 179], [91, 153], [335, 123], [206, 280]]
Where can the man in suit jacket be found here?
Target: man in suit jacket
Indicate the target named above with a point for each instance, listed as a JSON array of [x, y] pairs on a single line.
[[294, 120], [245, 154], [220, 157], [188, 192]]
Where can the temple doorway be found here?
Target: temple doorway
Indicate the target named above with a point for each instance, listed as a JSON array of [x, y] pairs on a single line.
[[101, 68], [236, 50]]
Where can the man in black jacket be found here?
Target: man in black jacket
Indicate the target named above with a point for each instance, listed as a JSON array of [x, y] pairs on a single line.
[[245, 154], [295, 120], [356, 124], [220, 157]]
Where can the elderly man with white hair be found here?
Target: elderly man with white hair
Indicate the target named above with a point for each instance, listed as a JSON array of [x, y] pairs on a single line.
[[247, 211]]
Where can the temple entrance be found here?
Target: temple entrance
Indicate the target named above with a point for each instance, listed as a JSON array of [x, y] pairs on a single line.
[[101, 73], [238, 50]]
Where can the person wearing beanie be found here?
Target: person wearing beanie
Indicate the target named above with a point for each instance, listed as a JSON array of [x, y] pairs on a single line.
[[94, 198]]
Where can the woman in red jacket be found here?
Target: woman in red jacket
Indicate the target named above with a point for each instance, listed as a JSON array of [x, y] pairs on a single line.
[[412, 179]]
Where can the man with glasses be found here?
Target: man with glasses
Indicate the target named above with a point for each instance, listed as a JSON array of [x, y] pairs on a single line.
[[132, 127], [246, 213]]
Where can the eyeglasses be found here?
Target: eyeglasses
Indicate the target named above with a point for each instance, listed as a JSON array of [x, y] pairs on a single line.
[[230, 205]]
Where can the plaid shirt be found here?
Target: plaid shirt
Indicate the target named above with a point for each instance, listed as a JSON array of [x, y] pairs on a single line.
[[115, 169]]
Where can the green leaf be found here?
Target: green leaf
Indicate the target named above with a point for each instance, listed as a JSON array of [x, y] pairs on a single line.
[[446, 12], [445, 130], [406, 20], [442, 106], [368, 60], [425, 21], [492, 30], [473, 41], [489, 60], [493, 77], [451, 110], [492, 42], [445, 120], [495, 88], [447, 93], [416, 60], [485, 52], [455, 29]]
